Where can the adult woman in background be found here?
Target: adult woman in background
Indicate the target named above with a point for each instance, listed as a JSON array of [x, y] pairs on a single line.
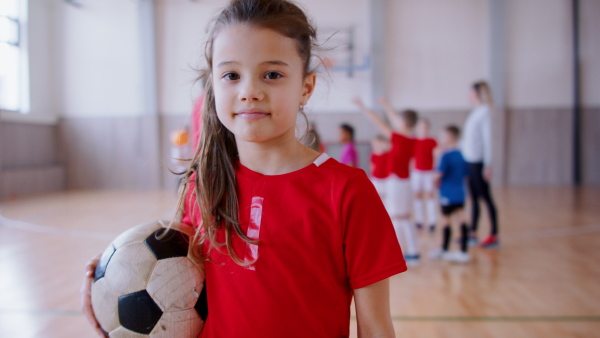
[[477, 152]]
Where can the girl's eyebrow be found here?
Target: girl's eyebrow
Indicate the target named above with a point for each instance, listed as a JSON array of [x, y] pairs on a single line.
[[225, 63], [271, 62], [276, 62]]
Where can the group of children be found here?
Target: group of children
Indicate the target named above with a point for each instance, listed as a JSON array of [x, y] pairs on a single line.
[[405, 188]]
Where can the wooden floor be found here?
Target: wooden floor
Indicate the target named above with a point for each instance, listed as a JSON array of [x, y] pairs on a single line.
[[544, 281]]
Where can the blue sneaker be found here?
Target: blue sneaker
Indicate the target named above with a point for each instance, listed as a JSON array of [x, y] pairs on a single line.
[[412, 260]]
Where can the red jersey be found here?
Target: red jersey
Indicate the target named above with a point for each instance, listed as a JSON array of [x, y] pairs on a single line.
[[424, 153], [400, 154], [322, 231], [379, 165]]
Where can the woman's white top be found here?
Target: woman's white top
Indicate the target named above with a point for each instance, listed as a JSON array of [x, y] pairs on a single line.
[[477, 136]]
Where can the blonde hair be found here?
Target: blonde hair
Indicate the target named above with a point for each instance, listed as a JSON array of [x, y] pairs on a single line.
[[484, 93]]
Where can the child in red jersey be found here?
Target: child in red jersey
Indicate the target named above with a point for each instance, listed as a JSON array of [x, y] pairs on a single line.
[[423, 176], [380, 155], [398, 188], [289, 236]]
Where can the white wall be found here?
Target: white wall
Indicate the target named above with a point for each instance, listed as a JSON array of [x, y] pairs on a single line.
[[435, 50], [539, 54], [181, 32], [97, 58]]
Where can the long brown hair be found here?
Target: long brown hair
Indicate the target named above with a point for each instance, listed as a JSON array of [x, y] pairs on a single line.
[[212, 169]]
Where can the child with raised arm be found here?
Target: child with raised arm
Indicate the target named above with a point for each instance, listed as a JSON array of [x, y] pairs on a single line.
[[380, 154], [398, 200], [289, 236], [452, 174], [423, 176]]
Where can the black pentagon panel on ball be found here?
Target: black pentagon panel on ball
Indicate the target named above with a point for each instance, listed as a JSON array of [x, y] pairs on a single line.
[[103, 263], [170, 243], [138, 312], [202, 304]]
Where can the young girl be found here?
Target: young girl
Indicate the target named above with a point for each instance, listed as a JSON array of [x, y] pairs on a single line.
[[348, 155], [289, 235], [380, 155], [398, 191], [477, 151], [423, 175]]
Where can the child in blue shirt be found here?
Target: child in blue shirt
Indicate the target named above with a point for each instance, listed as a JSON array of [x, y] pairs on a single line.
[[451, 175]]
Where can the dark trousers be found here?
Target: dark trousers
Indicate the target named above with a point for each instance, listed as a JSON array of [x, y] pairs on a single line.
[[479, 187]]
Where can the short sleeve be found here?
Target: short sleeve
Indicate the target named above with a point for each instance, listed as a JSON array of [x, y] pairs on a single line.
[[371, 248]]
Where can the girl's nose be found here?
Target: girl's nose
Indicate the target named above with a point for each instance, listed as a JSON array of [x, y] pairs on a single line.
[[251, 91]]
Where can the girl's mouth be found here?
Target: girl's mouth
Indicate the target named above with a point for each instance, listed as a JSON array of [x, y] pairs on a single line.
[[252, 114]]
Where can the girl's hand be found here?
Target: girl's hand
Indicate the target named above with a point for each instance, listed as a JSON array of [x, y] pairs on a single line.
[[357, 101], [487, 173], [86, 298], [382, 101]]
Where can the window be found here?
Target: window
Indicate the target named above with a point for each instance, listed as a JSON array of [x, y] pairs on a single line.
[[10, 55]]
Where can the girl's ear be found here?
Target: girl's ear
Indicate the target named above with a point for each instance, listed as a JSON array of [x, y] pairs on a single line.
[[308, 87]]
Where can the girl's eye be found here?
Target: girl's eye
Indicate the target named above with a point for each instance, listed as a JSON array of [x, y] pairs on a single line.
[[272, 75], [231, 76]]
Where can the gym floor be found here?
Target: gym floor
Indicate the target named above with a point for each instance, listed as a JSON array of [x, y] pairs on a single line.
[[542, 282]]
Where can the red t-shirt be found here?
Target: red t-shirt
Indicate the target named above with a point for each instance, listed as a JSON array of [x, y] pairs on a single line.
[[379, 165], [424, 153], [323, 232], [400, 154]]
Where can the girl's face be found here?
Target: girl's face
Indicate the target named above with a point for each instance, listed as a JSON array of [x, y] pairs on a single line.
[[259, 83], [422, 129], [344, 136], [446, 139], [474, 97], [379, 146]]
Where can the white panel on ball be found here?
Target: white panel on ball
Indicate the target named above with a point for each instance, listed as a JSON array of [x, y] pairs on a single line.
[[174, 284], [180, 324], [122, 332], [135, 259], [103, 298]]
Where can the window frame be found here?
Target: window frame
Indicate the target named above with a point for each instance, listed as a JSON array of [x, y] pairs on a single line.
[[23, 73]]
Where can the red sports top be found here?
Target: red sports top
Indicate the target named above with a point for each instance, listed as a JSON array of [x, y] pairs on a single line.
[[400, 154], [424, 153], [323, 232], [379, 165]]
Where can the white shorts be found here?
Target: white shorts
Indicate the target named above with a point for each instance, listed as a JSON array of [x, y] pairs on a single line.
[[422, 180], [398, 196], [379, 184]]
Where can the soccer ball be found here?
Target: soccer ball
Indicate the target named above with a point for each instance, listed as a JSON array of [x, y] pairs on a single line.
[[146, 285]]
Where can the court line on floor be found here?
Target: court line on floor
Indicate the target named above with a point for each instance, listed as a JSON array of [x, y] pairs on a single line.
[[497, 319], [552, 233], [506, 319], [26, 226], [40, 312]]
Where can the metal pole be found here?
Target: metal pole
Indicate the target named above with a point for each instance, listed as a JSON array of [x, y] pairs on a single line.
[[377, 20], [576, 97], [151, 119]]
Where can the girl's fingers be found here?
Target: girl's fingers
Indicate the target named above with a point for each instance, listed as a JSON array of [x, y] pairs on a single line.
[[86, 298]]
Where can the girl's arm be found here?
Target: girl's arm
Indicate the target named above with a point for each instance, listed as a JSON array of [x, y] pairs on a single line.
[[373, 310], [395, 120], [377, 120]]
